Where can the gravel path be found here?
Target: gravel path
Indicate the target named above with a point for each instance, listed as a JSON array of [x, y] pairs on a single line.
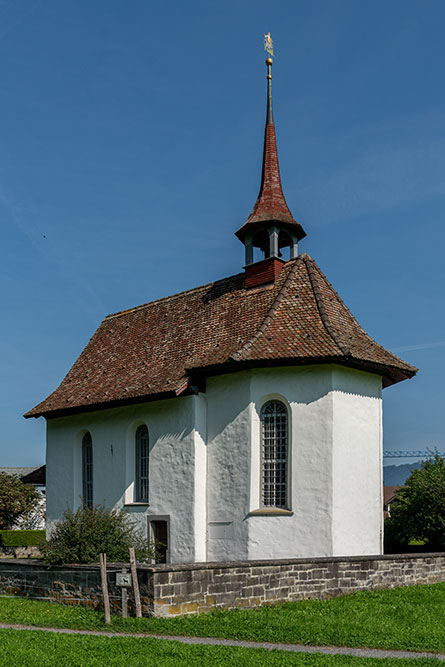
[[211, 641]]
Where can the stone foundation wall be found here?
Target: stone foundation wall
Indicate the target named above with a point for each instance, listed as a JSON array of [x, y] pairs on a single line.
[[201, 587], [169, 590], [19, 552], [72, 584]]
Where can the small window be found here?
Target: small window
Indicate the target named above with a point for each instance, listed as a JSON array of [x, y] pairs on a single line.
[[87, 470], [274, 436], [142, 464]]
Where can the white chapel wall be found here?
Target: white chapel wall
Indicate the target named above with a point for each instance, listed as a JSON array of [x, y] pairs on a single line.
[[174, 447], [334, 464], [357, 463], [234, 474], [308, 530], [228, 465], [205, 465]]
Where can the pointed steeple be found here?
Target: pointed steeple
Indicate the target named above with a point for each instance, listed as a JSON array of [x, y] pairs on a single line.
[[271, 214]]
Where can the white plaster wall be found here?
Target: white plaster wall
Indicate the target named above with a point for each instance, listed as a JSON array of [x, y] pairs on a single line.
[[174, 446], [308, 530], [228, 465], [234, 455], [334, 464], [357, 463], [200, 476], [205, 465]]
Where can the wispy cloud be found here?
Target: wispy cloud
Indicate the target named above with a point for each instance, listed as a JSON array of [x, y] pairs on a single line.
[[419, 346]]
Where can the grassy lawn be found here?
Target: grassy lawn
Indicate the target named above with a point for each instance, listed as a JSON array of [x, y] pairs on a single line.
[[40, 649], [410, 618]]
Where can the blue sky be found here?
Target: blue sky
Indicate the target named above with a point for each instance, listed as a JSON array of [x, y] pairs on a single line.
[[130, 152]]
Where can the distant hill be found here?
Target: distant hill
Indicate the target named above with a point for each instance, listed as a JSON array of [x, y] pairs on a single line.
[[397, 475]]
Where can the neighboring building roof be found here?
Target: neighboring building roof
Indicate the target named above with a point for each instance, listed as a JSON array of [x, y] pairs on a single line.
[[19, 472], [389, 493], [158, 349], [36, 476]]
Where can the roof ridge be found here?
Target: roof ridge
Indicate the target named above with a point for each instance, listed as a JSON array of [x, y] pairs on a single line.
[[352, 316], [270, 313], [171, 297], [309, 262]]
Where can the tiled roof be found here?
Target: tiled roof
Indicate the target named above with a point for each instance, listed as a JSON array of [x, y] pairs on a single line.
[[36, 476], [389, 493], [158, 349], [19, 472]]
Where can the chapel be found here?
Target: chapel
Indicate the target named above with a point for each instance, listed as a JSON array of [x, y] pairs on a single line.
[[237, 420]]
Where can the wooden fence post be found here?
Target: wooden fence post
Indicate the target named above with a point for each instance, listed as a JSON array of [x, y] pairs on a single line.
[[103, 577], [124, 597], [134, 577]]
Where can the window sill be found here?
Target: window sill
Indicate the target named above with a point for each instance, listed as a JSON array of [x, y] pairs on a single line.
[[135, 504], [271, 511]]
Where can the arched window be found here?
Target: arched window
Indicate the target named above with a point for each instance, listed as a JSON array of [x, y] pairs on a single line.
[[87, 470], [142, 464], [274, 437]]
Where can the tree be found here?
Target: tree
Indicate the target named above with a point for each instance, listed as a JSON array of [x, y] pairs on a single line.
[[418, 511], [17, 500], [82, 535]]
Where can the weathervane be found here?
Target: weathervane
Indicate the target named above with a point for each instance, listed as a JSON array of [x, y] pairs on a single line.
[[268, 44]]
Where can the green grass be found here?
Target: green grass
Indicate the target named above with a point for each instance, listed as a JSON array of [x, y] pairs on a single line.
[[410, 618], [41, 649], [21, 538]]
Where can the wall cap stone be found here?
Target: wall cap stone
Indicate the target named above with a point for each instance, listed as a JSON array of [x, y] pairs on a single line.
[[175, 567]]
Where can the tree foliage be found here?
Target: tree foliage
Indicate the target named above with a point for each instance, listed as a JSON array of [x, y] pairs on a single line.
[[418, 511], [17, 500], [82, 535]]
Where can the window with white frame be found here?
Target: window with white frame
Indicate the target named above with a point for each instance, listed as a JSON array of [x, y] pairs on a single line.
[[87, 470], [274, 445], [142, 464]]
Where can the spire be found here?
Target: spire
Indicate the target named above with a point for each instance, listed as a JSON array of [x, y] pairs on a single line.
[[271, 206]]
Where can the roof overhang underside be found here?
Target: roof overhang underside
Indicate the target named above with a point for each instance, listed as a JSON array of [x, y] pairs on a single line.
[[196, 381]]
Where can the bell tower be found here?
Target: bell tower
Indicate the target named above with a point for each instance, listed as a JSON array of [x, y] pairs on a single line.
[[270, 226]]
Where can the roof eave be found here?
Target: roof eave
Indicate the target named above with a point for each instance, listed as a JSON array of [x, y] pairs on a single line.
[[390, 375], [105, 405], [258, 224]]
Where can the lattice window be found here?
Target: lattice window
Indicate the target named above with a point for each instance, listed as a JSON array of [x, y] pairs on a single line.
[[274, 435], [87, 469], [142, 464]]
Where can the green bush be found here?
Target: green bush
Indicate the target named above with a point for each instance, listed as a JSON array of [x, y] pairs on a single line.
[[21, 538], [82, 535], [17, 500], [418, 511]]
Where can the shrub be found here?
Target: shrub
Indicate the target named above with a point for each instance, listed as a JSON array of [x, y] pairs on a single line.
[[82, 535], [21, 538], [17, 500], [418, 511]]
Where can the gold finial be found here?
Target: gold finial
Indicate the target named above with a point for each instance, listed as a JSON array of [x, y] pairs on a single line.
[[269, 61], [268, 44]]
